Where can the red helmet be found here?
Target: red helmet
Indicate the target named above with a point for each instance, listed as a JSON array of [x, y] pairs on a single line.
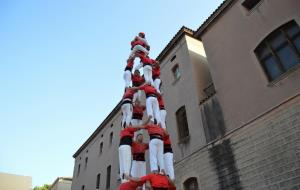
[[142, 34]]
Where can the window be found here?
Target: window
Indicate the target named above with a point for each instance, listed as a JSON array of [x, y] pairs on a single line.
[[182, 124], [112, 125], [209, 90], [86, 162], [173, 58], [176, 72], [78, 170], [250, 4], [108, 171], [82, 187], [280, 51], [98, 181], [191, 184], [111, 136], [101, 148]]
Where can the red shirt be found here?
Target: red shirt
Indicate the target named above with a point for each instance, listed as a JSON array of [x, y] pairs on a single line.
[[128, 131], [161, 102], [171, 187], [130, 63], [154, 129], [156, 71], [167, 140], [137, 42], [147, 61], [137, 80], [156, 180], [148, 89], [130, 185], [138, 112], [137, 148], [128, 94]]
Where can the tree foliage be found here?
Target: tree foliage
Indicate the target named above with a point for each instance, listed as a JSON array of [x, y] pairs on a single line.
[[44, 187]]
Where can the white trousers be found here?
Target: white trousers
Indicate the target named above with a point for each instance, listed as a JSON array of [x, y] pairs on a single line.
[[137, 48], [127, 114], [156, 83], [163, 115], [156, 150], [124, 160], [147, 71], [136, 122], [152, 108], [169, 165], [138, 169], [127, 78], [138, 96]]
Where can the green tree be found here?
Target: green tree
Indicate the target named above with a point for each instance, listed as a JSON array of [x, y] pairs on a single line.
[[44, 187]]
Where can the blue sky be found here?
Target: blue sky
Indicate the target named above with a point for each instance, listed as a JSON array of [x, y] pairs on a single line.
[[61, 66]]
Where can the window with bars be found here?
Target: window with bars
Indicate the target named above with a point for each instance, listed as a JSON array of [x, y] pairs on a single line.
[[279, 52], [191, 184], [182, 124]]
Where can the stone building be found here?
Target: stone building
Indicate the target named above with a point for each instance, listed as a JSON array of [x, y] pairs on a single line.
[[15, 182], [231, 90], [61, 183]]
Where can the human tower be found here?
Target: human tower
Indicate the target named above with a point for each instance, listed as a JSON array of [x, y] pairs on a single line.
[[132, 162]]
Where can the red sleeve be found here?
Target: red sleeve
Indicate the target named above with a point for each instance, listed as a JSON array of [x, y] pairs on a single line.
[[146, 178], [146, 126], [141, 87], [142, 58], [132, 129], [146, 146]]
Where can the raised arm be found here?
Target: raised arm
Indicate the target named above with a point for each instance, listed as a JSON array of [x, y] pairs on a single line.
[[139, 87], [136, 179], [156, 63], [166, 132], [142, 39]]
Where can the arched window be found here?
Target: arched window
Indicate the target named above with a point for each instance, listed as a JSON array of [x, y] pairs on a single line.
[[108, 175], [78, 170], [101, 148], [86, 162], [111, 136], [176, 72], [279, 52], [98, 181], [191, 184], [182, 124]]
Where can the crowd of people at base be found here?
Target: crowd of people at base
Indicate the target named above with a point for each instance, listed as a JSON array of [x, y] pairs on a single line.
[[132, 161]]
